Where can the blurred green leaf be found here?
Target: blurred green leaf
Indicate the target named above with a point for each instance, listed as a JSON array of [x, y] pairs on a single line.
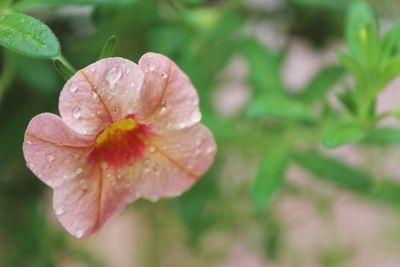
[[387, 191], [28, 36], [264, 67], [342, 133], [109, 47], [352, 65], [280, 106], [331, 5], [360, 29], [391, 69], [390, 42], [334, 171], [383, 136], [347, 100], [269, 177], [322, 82], [25, 4]]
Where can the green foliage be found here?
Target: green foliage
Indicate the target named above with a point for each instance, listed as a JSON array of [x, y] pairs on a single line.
[[109, 47], [269, 177], [28, 36], [344, 133]]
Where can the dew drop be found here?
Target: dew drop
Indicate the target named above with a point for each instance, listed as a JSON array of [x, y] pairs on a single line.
[[73, 87], [152, 67], [128, 71], [28, 142], [181, 125], [133, 85], [113, 75], [195, 101], [164, 75], [31, 165], [77, 113], [152, 149], [209, 150], [65, 176], [79, 233], [199, 142], [59, 211], [92, 68], [49, 182], [104, 165], [95, 96], [114, 108], [50, 158], [78, 170], [196, 116], [83, 184]]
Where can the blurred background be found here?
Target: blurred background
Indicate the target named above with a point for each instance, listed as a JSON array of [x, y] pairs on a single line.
[[275, 197]]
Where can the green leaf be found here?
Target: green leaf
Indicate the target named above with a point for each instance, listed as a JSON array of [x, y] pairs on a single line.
[[269, 177], [360, 29], [390, 43], [352, 65], [281, 107], [347, 100], [322, 82], [387, 191], [330, 5], [334, 171], [25, 4], [264, 67], [383, 136], [391, 69], [64, 70], [343, 133], [109, 47], [28, 36]]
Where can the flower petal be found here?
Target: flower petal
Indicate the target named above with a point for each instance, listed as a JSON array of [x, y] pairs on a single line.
[[105, 91], [86, 203], [53, 151], [175, 161], [169, 100]]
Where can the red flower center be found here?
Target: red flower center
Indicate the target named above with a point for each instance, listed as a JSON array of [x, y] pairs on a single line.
[[120, 143]]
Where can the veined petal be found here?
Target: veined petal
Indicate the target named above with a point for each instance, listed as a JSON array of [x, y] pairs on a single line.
[[53, 152], [175, 161], [117, 82], [168, 98], [85, 204]]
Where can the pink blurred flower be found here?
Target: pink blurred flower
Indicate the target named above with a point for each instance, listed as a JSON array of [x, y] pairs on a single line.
[[126, 131]]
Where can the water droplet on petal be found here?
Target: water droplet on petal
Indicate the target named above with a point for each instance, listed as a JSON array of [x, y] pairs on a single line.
[[114, 108], [79, 233], [77, 113], [49, 182], [65, 176], [128, 71], [152, 149], [133, 85], [73, 87], [164, 75], [196, 116], [152, 67], [198, 142], [104, 165], [181, 125], [92, 68], [95, 97], [78, 170], [113, 75], [195, 101], [50, 158], [59, 211], [209, 150], [83, 184]]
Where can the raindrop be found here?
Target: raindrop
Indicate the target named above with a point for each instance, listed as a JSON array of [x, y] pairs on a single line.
[[59, 211], [92, 68], [49, 182], [77, 113], [28, 142], [195, 101], [31, 165], [152, 67], [181, 125], [65, 176], [133, 85], [79, 233], [83, 184], [163, 106], [164, 75], [152, 149], [73, 88], [196, 116], [104, 165], [198, 142], [128, 71], [95, 96], [209, 150], [113, 75], [50, 158], [78, 170], [114, 108]]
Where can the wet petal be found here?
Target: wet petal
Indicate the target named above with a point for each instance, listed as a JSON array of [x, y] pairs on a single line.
[[86, 203], [53, 151], [175, 161], [168, 100], [117, 82]]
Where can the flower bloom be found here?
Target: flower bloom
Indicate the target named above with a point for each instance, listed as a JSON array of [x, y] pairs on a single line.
[[126, 131]]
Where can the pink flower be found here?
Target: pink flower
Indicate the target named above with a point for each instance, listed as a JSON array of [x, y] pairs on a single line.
[[126, 131]]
